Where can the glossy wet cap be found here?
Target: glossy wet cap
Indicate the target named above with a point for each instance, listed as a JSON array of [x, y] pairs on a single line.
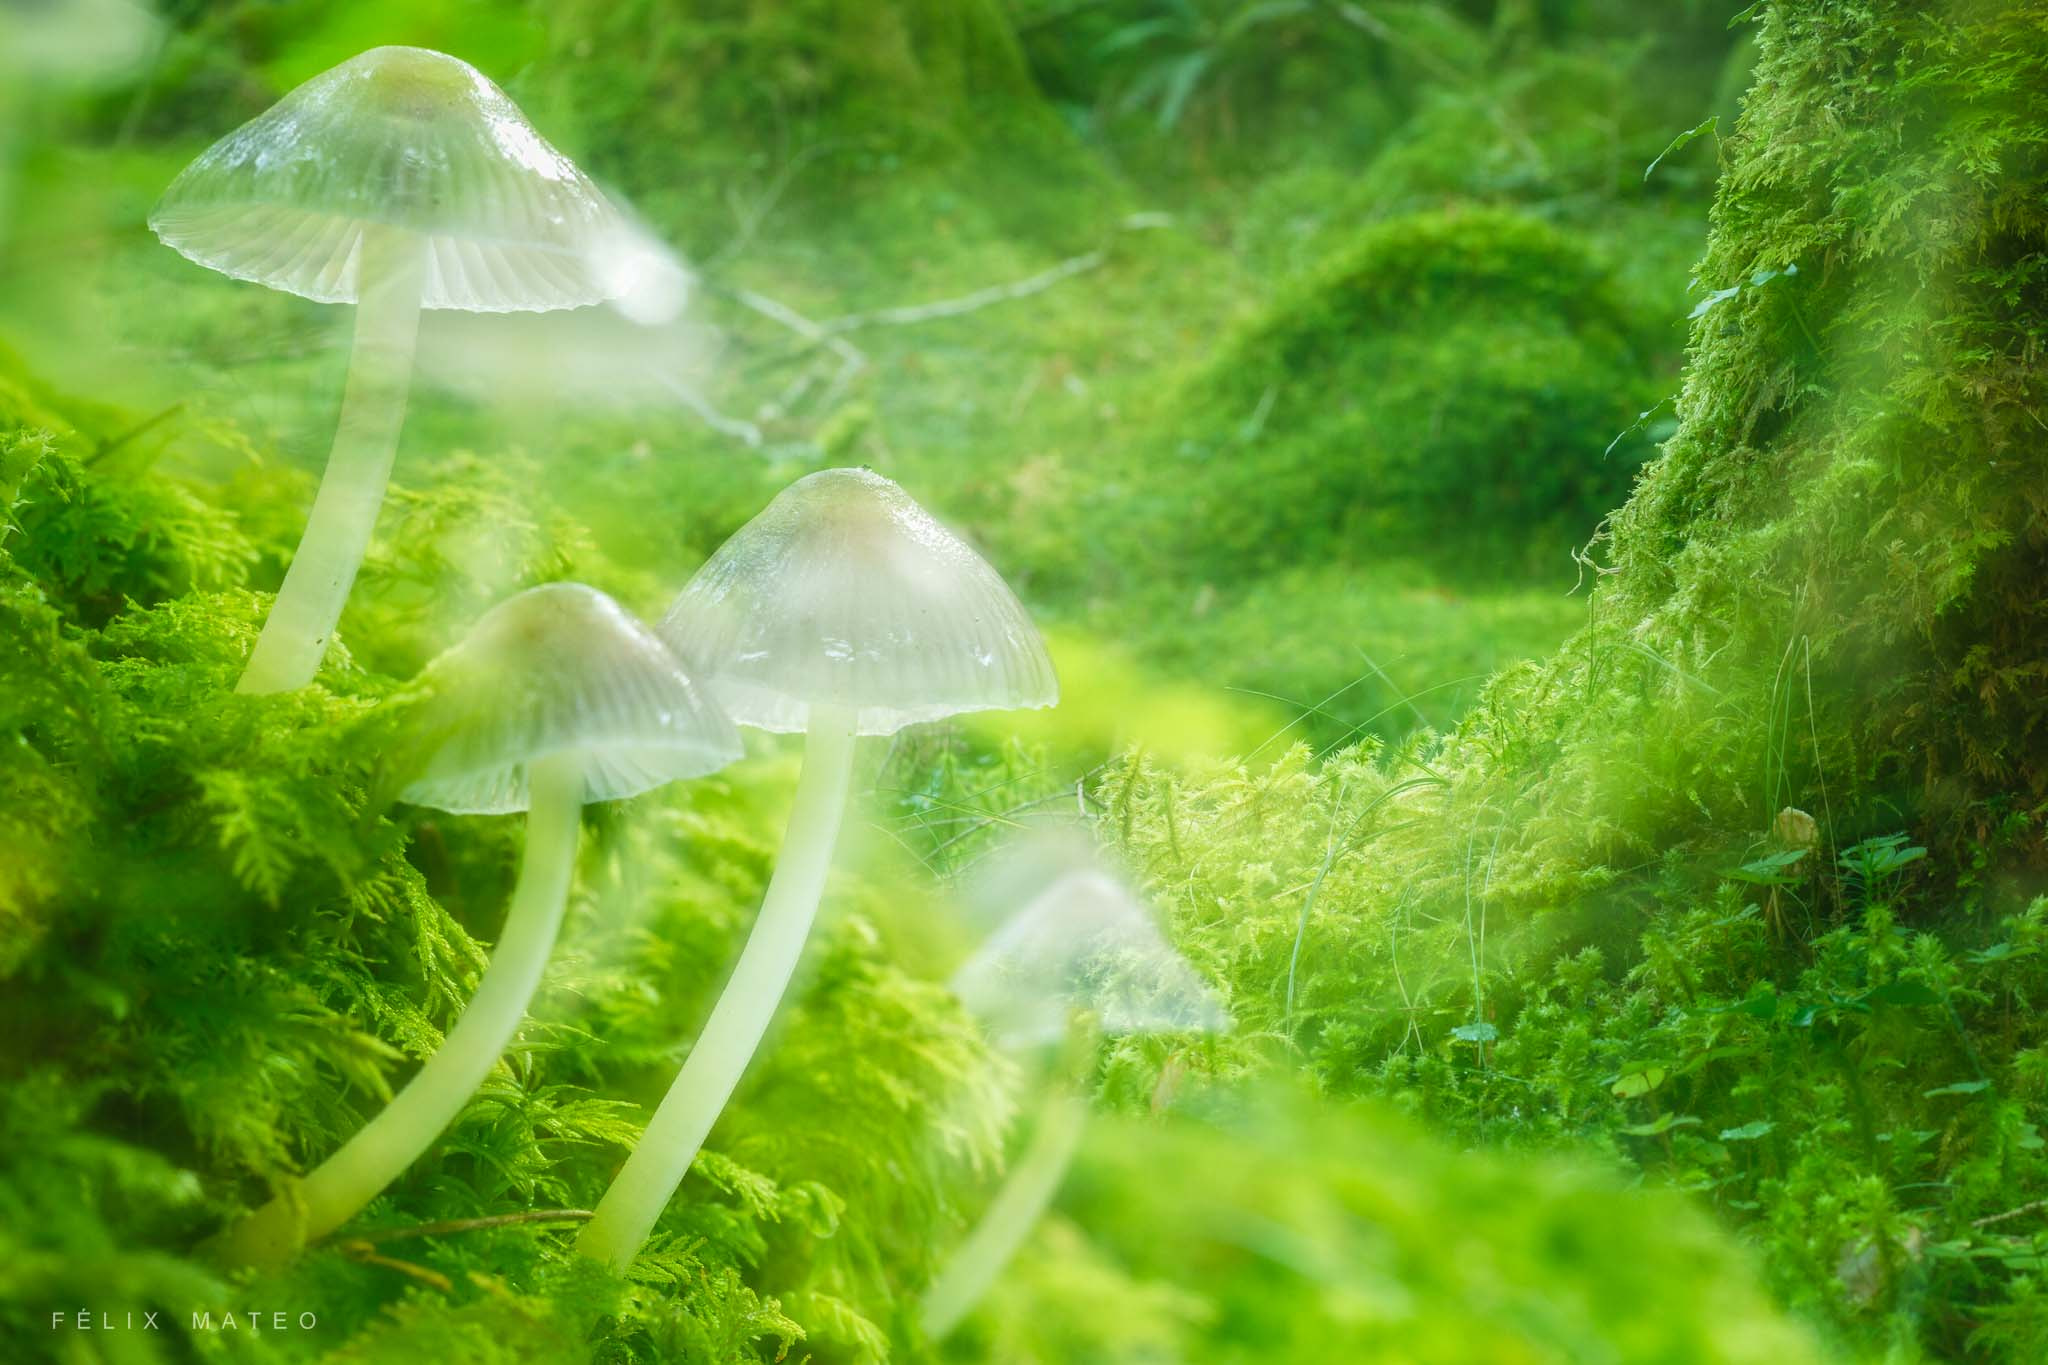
[[844, 592], [560, 669], [410, 139], [1084, 942]]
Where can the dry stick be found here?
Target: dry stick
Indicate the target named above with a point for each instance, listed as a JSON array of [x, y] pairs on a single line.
[[745, 432], [830, 334], [362, 1253], [2033, 1207], [969, 303], [142, 428], [851, 359], [455, 1225]]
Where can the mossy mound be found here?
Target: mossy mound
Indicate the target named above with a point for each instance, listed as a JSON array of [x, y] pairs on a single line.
[[1410, 1251], [1450, 370]]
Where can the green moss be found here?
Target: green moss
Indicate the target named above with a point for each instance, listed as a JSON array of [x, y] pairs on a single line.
[[1440, 385], [1739, 883], [1857, 462], [223, 948], [1355, 1202]]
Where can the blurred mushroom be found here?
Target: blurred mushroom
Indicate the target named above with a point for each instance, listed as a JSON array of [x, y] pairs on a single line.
[[842, 610], [400, 180], [1083, 946], [556, 698]]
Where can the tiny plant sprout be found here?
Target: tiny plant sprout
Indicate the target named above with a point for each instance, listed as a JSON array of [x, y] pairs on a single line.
[[557, 697], [843, 609], [400, 180], [1083, 945]]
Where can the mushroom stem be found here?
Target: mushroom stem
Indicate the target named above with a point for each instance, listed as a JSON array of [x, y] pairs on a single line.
[[391, 271], [1011, 1215], [407, 1126], [662, 1158]]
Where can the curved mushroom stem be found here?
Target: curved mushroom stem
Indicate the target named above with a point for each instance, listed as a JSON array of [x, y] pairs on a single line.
[[658, 1164], [1011, 1215], [407, 1126], [389, 277]]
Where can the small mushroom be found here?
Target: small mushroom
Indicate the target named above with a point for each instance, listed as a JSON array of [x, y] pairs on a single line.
[[842, 610], [557, 697], [400, 180], [1085, 945]]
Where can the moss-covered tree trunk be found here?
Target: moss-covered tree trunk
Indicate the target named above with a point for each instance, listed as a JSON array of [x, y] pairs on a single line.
[[1862, 462]]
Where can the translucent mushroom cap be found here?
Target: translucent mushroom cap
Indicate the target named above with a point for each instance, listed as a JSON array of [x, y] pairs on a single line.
[[409, 139], [844, 592], [561, 669], [1084, 943]]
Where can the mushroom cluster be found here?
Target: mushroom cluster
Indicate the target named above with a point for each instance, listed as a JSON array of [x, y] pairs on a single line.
[[842, 610], [404, 180]]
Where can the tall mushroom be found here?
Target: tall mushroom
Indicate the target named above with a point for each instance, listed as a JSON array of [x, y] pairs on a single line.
[[1085, 945], [400, 180], [557, 697], [842, 610]]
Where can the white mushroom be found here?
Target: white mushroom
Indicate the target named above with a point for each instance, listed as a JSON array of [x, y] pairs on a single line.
[[842, 610], [400, 180], [556, 698], [1084, 945]]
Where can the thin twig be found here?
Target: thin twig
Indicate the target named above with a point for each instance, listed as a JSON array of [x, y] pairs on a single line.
[[361, 1251], [114, 443], [2033, 1207], [454, 1225], [741, 430], [969, 303]]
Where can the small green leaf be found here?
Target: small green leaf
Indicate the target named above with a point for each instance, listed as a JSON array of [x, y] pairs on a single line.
[[1901, 993], [1768, 870], [1718, 296], [1762, 1005], [1660, 1125], [1748, 1132], [1635, 1084], [1709, 125], [1958, 1088]]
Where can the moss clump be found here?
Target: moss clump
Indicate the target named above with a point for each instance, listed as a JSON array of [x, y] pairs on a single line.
[[1859, 463], [1355, 1201], [1449, 380]]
